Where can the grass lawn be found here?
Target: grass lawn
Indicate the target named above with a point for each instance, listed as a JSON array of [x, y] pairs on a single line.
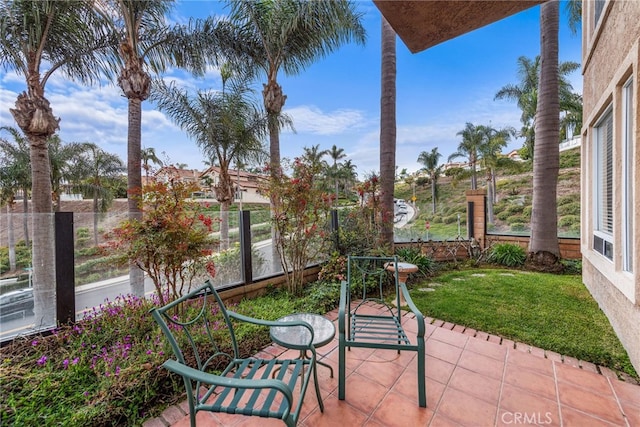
[[553, 312]]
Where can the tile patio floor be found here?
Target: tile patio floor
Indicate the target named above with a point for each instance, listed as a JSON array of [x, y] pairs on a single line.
[[473, 379]]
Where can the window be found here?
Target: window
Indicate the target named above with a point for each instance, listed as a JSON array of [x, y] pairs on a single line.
[[627, 202], [603, 183]]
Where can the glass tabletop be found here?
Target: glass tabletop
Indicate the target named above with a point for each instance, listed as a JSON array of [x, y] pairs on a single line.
[[298, 336]]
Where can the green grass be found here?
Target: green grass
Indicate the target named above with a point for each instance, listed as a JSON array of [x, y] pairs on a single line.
[[553, 312]]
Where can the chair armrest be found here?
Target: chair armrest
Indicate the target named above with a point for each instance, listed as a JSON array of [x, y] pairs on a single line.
[[413, 308], [342, 308], [272, 323], [217, 380]]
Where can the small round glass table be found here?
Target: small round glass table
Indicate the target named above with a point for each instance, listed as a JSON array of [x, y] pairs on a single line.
[[297, 337]]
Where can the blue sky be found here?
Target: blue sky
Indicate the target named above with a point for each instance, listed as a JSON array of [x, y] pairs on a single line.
[[337, 100]]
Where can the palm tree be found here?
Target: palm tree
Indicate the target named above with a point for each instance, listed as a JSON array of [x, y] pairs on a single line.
[[64, 167], [430, 162], [347, 175], [387, 133], [336, 154], [525, 93], [226, 125], [543, 245], [290, 35], [18, 174], [146, 43], [64, 35], [489, 151], [472, 139], [148, 155], [314, 155], [101, 166]]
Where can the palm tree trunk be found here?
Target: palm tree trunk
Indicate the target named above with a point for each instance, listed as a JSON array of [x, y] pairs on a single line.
[[387, 133], [543, 246], [95, 217], [134, 184], [224, 225], [433, 195], [490, 196], [25, 216], [43, 257], [11, 237]]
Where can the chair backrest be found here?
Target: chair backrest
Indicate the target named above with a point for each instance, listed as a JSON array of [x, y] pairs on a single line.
[[368, 276], [195, 323]]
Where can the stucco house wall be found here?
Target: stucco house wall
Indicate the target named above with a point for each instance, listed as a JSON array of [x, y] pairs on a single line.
[[610, 60]]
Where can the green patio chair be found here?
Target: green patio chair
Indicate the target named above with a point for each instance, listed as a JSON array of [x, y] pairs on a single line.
[[218, 378], [360, 326]]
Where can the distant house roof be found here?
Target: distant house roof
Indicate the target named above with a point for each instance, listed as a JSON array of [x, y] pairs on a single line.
[[183, 175], [425, 23], [245, 180]]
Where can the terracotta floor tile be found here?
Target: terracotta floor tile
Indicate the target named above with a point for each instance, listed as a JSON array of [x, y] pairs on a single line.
[[535, 382], [438, 369], [382, 371], [530, 361], [443, 351], [516, 402], [407, 385], [486, 348], [585, 379], [632, 412], [440, 420], [466, 410], [336, 413], [482, 364], [373, 423], [450, 337], [626, 392], [598, 405], [475, 384], [397, 410], [572, 417], [363, 393]]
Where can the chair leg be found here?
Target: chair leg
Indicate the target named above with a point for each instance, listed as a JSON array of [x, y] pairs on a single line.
[[422, 393], [315, 382], [341, 368]]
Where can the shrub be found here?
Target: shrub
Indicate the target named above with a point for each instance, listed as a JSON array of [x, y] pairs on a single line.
[[507, 254], [83, 232], [515, 209], [568, 199], [426, 265], [572, 208], [518, 227], [515, 219], [526, 212], [450, 219], [571, 266], [569, 220]]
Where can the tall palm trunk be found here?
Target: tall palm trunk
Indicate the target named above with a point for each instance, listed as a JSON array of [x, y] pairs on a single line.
[[11, 237], [274, 100], [474, 178], [543, 247], [433, 194], [25, 216], [34, 116], [136, 85], [490, 195], [387, 133], [95, 217]]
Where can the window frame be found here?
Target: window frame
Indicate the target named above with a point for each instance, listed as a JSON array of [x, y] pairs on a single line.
[[603, 241], [627, 176]]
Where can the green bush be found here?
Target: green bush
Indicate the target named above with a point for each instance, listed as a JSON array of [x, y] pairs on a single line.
[[83, 232], [502, 216], [568, 199], [518, 227], [426, 265], [515, 209], [571, 266], [507, 254], [450, 219], [572, 208], [515, 219], [526, 212], [568, 220]]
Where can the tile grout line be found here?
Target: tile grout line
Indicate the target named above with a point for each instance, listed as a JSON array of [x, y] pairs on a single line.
[[504, 375]]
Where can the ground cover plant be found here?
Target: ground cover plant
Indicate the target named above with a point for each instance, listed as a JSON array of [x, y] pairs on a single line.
[[105, 370], [554, 312]]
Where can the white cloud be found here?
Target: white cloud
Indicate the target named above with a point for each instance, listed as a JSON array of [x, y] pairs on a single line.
[[311, 119]]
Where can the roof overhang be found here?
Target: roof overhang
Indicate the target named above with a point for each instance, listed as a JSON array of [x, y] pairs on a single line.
[[422, 24]]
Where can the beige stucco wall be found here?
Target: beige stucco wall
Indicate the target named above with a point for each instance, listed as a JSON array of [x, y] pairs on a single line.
[[611, 52]]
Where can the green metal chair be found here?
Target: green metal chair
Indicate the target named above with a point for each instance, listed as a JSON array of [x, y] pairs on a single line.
[[219, 379], [357, 328]]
